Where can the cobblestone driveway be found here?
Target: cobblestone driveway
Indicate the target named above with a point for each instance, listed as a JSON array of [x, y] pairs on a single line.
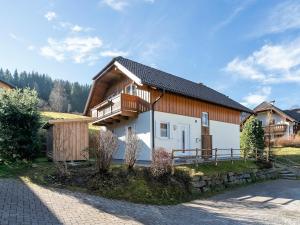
[[274, 202]]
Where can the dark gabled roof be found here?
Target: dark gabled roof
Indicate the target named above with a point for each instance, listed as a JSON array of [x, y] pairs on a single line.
[[168, 82], [8, 84], [294, 113]]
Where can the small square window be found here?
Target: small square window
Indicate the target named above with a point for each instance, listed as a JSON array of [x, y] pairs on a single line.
[[205, 119], [164, 130]]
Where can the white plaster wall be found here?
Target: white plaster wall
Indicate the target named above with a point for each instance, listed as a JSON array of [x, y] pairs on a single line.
[[193, 125], [225, 136], [141, 126]]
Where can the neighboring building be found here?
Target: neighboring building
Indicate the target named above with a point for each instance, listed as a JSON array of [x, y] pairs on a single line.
[[276, 122], [5, 85], [186, 115]]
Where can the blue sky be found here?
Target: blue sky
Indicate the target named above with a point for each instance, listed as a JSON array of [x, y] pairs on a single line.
[[248, 50]]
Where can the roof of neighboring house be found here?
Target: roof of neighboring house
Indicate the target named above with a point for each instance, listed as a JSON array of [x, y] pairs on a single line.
[[8, 84], [295, 113], [169, 82]]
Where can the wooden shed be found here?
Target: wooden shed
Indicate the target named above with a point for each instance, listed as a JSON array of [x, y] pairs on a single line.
[[67, 139]]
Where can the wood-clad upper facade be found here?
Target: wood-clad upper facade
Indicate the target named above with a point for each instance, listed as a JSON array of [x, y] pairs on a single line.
[[119, 83], [4, 85]]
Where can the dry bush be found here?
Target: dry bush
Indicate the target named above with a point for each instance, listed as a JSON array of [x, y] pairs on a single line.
[[107, 145], [288, 142], [132, 149], [161, 163]]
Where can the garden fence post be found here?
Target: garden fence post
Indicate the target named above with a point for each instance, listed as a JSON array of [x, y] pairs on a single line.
[[256, 154], [216, 152], [197, 157], [172, 158], [231, 155]]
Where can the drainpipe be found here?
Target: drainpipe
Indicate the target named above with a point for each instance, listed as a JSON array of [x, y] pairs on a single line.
[[152, 111]]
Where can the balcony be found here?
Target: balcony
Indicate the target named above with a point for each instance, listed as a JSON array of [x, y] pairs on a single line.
[[120, 107], [278, 128]]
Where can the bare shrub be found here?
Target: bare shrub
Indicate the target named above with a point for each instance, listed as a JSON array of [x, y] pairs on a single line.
[[161, 163], [107, 145], [288, 142], [132, 149]]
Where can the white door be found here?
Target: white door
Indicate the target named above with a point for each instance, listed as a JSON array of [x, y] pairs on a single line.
[[183, 139]]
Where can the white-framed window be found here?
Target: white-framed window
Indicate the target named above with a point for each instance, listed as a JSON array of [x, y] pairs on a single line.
[[164, 129], [205, 121], [131, 89]]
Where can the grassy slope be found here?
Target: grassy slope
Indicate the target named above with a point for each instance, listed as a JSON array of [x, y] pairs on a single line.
[[57, 115], [289, 153], [210, 169]]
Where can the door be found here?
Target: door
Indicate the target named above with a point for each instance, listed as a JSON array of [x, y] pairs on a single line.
[[183, 139], [206, 146]]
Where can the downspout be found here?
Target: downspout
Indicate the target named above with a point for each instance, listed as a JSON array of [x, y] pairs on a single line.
[[152, 121]]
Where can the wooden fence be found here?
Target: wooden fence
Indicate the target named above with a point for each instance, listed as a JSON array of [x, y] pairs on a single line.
[[214, 155]]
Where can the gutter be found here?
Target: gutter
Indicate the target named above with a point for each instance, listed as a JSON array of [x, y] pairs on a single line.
[[152, 121]]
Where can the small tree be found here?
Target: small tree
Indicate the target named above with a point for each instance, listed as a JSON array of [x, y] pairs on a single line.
[[58, 97], [132, 149], [19, 124], [252, 136], [107, 145]]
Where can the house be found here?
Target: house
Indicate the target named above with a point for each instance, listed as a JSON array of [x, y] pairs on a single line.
[[163, 110], [277, 122], [4, 85]]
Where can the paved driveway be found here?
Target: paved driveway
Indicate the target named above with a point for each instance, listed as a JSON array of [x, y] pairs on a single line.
[[273, 202]]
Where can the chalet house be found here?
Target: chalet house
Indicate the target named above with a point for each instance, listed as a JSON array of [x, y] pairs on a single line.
[[163, 110], [276, 122], [6, 86]]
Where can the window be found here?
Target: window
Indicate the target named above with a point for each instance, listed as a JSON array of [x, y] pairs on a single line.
[[131, 89], [205, 119], [164, 130]]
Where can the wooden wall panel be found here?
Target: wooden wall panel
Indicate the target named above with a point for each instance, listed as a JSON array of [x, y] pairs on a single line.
[[177, 104]]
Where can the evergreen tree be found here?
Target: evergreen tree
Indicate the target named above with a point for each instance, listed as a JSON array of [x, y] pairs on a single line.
[[252, 137]]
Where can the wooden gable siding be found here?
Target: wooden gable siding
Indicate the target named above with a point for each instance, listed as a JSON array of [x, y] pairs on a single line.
[[117, 87], [4, 86], [177, 104]]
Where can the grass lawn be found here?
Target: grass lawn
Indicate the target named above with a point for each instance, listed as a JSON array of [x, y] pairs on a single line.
[[210, 169], [58, 115], [287, 154]]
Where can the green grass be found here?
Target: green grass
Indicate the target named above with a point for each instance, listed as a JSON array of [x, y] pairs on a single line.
[[210, 169], [58, 115], [287, 154]]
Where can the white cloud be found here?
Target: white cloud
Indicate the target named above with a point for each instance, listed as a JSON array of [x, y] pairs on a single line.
[[284, 16], [111, 53], [77, 28], [253, 99], [270, 64], [13, 36], [50, 15], [236, 11], [120, 5], [31, 47], [77, 49], [117, 5]]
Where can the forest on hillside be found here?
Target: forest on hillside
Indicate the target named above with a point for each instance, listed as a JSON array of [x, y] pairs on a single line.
[[55, 95]]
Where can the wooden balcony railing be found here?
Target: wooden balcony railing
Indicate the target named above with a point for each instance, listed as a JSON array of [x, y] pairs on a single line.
[[122, 105], [278, 128]]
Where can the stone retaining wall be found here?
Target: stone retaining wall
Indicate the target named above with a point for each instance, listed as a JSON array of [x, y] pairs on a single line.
[[220, 182]]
